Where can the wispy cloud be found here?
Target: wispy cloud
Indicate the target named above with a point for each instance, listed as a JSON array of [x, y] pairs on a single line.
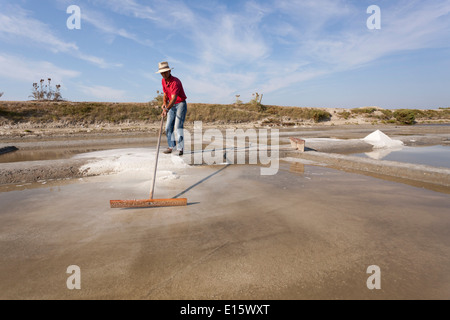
[[317, 50], [234, 48], [130, 8], [416, 25], [222, 48], [230, 39], [313, 15], [216, 39], [22, 69], [220, 86], [16, 24], [99, 21], [103, 93]]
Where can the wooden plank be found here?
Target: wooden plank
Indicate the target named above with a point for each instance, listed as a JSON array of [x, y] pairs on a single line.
[[298, 144]]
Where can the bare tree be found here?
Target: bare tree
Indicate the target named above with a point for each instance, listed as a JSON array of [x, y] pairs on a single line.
[[1, 93]]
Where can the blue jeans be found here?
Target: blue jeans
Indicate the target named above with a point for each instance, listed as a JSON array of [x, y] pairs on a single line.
[[175, 124]]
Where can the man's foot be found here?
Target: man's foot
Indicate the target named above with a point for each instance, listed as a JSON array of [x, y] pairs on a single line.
[[180, 152], [167, 151]]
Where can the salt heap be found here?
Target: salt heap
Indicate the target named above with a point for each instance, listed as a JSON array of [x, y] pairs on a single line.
[[132, 163], [380, 140]]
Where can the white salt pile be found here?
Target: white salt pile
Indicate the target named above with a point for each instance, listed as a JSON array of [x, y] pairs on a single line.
[[380, 140], [133, 162]]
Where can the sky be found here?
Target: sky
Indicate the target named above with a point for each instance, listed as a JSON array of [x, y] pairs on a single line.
[[304, 53]]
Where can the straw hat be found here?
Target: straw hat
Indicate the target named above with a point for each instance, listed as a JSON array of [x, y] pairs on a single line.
[[163, 67]]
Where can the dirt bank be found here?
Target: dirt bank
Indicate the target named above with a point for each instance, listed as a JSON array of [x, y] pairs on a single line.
[[35, 171]]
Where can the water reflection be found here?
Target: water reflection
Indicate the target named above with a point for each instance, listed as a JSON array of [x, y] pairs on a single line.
[[297, 167], [379, 154], [436, 156]]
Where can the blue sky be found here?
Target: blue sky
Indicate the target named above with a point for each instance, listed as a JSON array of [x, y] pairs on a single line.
[[306, 53]]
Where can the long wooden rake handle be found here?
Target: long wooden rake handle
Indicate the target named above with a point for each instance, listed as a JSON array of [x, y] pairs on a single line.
[[157, 156]]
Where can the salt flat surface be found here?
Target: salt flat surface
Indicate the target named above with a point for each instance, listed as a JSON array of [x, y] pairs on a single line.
[[133, 162], [305, 233]]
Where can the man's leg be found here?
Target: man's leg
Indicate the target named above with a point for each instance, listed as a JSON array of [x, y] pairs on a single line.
[[181, 109], [171, 115]]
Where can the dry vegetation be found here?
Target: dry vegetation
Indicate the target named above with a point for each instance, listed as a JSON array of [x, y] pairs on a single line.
[[88, 113], [101, 112], [398, 116]]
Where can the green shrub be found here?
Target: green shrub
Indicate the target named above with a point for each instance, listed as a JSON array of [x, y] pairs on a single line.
[[364, 110], [344, 115], [405, 116], [386, 114], [320, 115]]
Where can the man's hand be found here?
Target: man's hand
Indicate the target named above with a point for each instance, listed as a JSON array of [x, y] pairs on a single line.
[[164, 112]]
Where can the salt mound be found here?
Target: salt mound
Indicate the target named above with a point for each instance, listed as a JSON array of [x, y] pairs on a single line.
[[380, 140], [132, 162]]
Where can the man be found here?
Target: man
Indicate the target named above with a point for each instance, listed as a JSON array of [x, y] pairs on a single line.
[[174, 107]]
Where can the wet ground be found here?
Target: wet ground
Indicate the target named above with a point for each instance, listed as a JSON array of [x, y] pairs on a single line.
[[306, 233]]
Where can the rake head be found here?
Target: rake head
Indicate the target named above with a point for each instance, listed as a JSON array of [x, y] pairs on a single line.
[[148, 203]]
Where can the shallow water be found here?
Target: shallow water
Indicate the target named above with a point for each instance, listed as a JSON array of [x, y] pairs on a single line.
[[56, 153], [436, 156], [304, 233], [36, 155]]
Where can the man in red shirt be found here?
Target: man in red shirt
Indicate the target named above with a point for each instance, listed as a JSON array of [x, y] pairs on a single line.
[[174, 107]]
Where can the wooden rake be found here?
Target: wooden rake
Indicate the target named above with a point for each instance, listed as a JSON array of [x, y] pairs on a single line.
[[148, 203]]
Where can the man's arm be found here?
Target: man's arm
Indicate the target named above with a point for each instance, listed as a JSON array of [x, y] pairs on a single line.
[[165, 100], [172, 101], [166, 108]]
